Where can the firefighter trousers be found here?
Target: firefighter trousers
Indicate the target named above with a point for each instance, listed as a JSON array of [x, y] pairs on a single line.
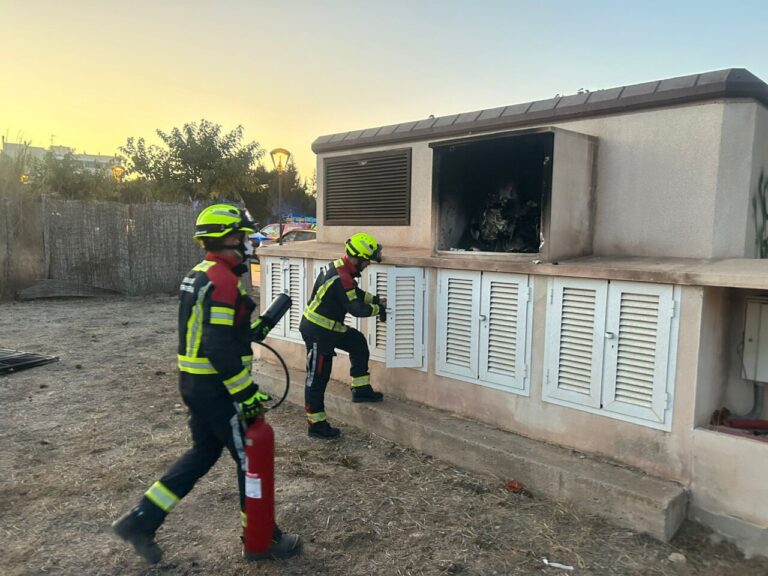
[[321, 345], [214, 425]]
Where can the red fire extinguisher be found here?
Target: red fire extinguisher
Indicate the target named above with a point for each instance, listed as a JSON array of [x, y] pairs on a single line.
[[260, 457], [259, 489]]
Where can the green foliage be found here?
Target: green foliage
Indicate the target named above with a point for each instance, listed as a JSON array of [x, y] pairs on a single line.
[[197, 162], [11, 170], [64, 177], [760, 210]]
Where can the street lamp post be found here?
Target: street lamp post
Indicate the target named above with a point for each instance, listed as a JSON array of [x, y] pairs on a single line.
[[280, 158]]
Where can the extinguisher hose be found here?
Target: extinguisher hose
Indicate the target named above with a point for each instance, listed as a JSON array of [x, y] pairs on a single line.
[[285, 370]]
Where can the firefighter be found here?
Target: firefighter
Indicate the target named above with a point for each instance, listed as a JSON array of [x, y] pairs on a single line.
[[335, 294], [214, 359]]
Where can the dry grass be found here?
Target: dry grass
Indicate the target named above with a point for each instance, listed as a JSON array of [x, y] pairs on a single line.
[[80, 445]]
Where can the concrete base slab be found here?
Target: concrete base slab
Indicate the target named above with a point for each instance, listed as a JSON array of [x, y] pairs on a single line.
[[625, 497], [750, 539]]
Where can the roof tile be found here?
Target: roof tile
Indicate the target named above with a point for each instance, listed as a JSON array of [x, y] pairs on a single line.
[[643, 89], [678, 83], [516, 109], [406, 126], [445, 120], [605, 95], [541, 105], [733, 82], [492, 113], [467, 117], [423, 124]]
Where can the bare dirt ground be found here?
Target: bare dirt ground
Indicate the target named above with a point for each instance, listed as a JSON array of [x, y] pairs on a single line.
[[80, 440]]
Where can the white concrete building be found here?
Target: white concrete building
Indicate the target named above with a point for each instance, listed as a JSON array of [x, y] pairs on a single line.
[[613, 317], [90, 162]]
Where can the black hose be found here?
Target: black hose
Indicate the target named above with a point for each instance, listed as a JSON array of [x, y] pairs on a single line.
[[287, 374]]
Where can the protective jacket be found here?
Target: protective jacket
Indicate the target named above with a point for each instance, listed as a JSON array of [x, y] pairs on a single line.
[[335, 294], [214, 353]]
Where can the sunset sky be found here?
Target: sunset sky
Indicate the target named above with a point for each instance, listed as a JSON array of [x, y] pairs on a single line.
[[88, 74]]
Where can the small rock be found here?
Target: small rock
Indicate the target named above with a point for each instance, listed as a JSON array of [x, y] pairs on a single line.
[[677, 558], [43, 385], [159, 373], [79, 366], [715, 538], [177, 405]]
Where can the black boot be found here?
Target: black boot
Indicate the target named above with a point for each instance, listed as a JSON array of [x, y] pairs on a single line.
[[283, 546], [323, 430], [134, 528], [366, 394]]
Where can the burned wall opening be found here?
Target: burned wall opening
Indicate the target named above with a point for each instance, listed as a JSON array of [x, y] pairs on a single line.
[[492, 192]]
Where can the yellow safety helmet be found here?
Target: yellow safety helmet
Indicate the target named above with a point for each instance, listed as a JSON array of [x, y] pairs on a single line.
[[219, 220], [364, 246]]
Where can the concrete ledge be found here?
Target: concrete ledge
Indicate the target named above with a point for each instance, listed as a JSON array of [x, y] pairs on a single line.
[[624, 497]]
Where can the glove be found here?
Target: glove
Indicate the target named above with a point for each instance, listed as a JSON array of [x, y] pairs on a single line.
[[259, 329], [382, 314], [252, 408]]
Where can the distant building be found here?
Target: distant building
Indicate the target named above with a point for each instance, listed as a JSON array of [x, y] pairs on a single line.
[[91, 162]]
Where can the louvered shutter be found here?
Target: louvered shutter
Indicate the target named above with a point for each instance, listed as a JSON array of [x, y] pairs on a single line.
[[503, 330], [376, 331], [405, 317], [637, 349], [458, 323], [295, 285], [368, 189], [575, 336], [274, 286]]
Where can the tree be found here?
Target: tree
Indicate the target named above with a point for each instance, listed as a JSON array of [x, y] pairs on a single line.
[[13, 168], [66, 177], [197, 162]]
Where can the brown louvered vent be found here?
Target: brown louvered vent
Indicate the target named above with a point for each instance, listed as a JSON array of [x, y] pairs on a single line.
[[372, 189]]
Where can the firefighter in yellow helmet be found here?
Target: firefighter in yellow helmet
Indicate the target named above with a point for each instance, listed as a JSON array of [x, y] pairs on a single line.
[[214, 359], [335, 294]]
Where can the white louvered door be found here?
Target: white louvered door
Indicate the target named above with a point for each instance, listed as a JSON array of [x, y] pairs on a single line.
[[575, 340], [637, 343], [376, 331], [274, 286], [503, 329], [458, 323], [405, 317], [295, 285]]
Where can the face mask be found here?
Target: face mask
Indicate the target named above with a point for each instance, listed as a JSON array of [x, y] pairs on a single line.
[[240, 249]]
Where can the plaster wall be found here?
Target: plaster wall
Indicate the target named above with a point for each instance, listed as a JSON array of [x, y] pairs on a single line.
[[729, 483], [656, 180], [715, 346], [664, 454], [734, 180], [671, 182]]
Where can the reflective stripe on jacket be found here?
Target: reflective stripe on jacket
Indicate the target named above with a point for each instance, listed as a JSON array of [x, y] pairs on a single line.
[[335, 294], [214, 326]]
